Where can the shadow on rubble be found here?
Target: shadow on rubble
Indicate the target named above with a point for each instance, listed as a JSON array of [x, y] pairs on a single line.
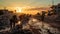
[[17, 30]]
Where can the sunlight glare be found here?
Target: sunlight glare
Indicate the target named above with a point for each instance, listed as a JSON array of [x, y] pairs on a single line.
[[18, 9]]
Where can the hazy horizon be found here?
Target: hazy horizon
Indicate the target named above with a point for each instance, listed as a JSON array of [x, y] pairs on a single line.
[[25, 3], [34, 5]]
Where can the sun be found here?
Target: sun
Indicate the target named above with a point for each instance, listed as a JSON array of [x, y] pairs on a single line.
[[18, 9]]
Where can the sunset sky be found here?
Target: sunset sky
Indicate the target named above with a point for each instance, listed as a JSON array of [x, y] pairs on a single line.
[[26, 3], [23, 3]]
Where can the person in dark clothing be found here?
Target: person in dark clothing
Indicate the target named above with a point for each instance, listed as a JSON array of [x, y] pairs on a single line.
[[24, 19], [43, 15], [13, 20], [42, 18]]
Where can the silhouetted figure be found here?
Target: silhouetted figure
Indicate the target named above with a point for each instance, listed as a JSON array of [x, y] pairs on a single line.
[[38, 16], [13, 20], [43, 15], [24, 19], [42, 18]]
